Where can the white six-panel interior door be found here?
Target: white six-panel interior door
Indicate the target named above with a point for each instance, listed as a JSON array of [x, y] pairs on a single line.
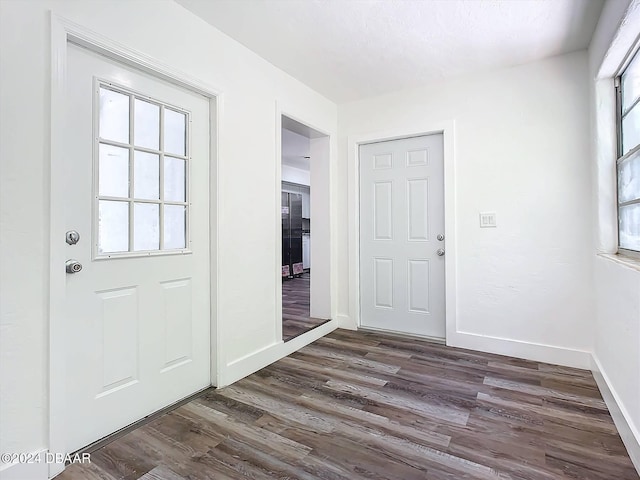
[[137, 314], [402, 244]]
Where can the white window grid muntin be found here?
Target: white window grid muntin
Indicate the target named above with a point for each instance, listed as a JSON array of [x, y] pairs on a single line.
[[621, 112], [130, 199]]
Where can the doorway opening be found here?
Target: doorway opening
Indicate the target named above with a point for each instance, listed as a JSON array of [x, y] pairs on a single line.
[[305, 287]]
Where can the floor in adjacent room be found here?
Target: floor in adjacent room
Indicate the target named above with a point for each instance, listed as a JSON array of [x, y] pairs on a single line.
[[296, 316], [357, 405]]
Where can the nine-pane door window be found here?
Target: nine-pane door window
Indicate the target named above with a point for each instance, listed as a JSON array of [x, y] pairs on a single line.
[[142, 174]]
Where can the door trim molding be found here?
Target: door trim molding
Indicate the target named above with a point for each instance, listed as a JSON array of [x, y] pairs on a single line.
[[63, 32], [295, 112], [447, 129]]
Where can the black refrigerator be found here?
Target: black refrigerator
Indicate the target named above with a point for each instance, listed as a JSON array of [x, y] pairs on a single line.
[[291, 235]]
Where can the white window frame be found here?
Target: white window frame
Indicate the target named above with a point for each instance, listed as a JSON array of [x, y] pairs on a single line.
[[131, 200], [620, 157]]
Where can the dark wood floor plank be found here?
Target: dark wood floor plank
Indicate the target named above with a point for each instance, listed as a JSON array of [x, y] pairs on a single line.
[[119, 460], [259, 437], [353, 422], [363, 405], [152, 444], [446, 414], [362, 363], [86, 471], [262, 461], [161, 473], [361, 460], [327, 373], [296, 307], [576, 399]]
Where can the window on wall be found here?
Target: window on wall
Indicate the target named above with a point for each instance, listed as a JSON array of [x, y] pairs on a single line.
[[142, 170], [628, 165]]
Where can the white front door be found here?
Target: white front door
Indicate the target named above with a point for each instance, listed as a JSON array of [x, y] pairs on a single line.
[[401, 219], [137, 193]]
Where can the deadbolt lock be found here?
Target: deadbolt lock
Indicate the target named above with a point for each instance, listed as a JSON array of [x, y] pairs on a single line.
[[73, 237], [440, 237]]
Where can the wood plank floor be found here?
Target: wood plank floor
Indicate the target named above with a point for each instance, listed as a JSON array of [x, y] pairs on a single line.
[[359, 405], [296, 305]]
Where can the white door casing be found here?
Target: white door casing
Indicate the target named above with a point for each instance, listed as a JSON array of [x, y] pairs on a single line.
[[138, 323], [402, 278]]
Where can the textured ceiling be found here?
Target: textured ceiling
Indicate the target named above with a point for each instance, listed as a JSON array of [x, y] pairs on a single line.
[[352, 49]]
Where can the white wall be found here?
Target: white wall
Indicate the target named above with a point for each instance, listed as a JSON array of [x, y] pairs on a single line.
[[321, 283], [251, 89], [521, 148], [617, 286]]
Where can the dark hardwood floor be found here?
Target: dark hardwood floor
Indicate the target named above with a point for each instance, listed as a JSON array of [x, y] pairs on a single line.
[[296, 316], [359, 405]]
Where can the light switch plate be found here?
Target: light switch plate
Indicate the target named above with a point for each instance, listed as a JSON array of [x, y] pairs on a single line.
[[488, 220]]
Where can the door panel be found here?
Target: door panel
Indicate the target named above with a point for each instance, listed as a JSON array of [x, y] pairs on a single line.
[[117, 338], [178, 322], [383, 213], [401, 215], [138, 313], [383, 282], [418, 286], [418, 209]]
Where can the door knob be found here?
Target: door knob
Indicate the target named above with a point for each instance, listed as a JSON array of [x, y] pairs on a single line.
[[440, 252], [73, 266]]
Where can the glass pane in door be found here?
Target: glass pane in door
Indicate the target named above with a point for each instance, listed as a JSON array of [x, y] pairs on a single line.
[[174, 179], [146, 226], [113, 226], [146, 176], [114, 116], [113, 171], [174, 226], [146, 124], [175, 132]]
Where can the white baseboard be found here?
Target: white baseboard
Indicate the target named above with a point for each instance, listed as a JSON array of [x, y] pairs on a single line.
[[628, 432], [516, 348], [251, 363], [26, 471]]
